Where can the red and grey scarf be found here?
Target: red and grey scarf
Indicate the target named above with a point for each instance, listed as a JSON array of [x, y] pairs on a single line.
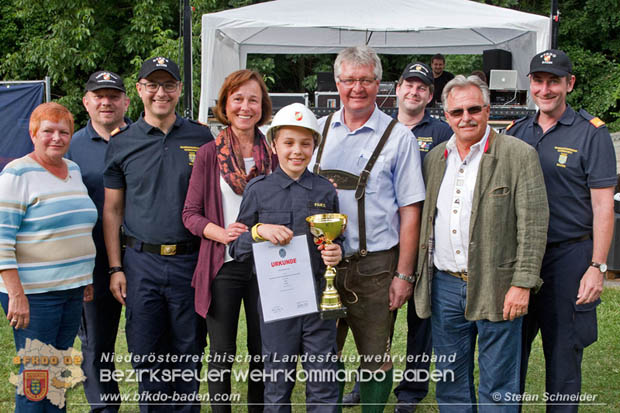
[[230, 159]]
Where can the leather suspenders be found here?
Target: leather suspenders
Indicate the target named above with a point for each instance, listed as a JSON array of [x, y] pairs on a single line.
[[346, 180]]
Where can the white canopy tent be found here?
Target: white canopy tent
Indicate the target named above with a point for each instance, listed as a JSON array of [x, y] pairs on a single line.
[[388, 26]]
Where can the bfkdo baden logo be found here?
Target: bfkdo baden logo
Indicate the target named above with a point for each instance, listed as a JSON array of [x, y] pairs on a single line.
[[35, 384], [46, 372]]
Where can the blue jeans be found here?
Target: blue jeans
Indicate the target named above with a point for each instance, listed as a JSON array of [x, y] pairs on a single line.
[[499, 352], [54, 319]]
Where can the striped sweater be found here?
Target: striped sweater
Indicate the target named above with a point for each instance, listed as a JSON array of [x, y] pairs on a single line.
[[46, 227]]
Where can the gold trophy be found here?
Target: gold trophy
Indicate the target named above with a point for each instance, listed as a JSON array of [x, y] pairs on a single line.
[[325, 228]]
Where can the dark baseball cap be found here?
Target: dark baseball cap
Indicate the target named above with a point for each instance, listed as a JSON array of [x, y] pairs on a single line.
[[419, 70], [159, 63], [551, 61], [104, 80]]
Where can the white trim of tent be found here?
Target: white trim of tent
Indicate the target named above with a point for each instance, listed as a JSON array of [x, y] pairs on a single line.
[[389, 26]]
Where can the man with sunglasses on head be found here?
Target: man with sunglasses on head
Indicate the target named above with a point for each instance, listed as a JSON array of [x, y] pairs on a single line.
[[579, 165], [482, 237], [381, 195], [148, 166]]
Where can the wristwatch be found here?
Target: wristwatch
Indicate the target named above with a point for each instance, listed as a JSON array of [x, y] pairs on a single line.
[[409, 278], [112, 270], [601, 267]]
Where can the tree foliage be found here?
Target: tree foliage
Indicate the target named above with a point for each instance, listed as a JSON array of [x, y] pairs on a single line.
[[68, 41], [588, 33]]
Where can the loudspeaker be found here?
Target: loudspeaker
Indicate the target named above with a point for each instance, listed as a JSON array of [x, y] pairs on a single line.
[[325, 82], [496, 59], [279, 100]]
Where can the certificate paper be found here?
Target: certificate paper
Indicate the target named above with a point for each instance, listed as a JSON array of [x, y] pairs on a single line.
[[285, 279]]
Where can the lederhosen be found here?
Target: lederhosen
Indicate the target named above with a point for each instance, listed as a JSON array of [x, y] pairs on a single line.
[[362, 276]]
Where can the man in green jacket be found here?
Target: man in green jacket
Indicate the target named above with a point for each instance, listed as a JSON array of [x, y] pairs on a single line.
[[482, 239]]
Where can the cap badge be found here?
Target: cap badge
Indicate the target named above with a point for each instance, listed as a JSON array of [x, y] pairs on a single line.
[[298, 116], [161, 61], [547, 58]]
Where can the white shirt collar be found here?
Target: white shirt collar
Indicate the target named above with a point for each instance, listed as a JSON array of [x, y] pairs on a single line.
[[478, 146]]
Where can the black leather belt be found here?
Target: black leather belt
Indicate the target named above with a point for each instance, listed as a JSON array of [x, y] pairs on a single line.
[[568, 241], [181, 248]]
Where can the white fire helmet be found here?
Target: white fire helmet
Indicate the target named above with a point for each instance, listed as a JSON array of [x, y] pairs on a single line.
[[295, 114]]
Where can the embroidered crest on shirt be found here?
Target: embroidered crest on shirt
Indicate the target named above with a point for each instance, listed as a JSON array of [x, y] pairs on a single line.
[[564, 153], [191, 153], [425, 143]]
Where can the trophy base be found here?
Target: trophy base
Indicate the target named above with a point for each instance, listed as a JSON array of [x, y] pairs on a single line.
[[333, 313]]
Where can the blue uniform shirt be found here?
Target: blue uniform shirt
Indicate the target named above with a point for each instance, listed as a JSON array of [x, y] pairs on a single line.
[[154, 170], [429, 133], [278, 199], [87, 149], [576, 154], [395, 181]]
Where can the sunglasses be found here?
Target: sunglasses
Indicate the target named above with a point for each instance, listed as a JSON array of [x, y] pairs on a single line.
[[473, 110]]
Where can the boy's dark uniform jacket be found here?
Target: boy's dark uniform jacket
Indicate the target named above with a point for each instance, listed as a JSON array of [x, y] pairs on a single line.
[[277, 199]]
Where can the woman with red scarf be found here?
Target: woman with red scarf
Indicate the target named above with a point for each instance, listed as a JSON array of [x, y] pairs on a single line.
[[221, 170]]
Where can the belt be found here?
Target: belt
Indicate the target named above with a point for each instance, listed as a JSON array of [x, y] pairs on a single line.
[[568, 241], [462, 275], [180, 248]]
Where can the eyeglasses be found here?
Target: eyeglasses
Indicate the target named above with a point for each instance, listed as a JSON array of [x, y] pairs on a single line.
[[473, 110], [153, 87], [351, 82]]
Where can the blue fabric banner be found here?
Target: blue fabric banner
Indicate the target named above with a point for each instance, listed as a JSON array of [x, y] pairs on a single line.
[[17, 101]]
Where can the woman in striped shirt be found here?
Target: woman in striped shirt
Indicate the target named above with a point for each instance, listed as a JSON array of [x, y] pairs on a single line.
[[46, 249]]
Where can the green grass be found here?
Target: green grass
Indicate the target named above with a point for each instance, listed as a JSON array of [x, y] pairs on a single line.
[[601, 368]]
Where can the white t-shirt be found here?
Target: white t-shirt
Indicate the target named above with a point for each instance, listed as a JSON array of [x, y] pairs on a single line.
[[231, 202]]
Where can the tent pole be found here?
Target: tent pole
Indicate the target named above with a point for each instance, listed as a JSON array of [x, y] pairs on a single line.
[[555, 23], [187, 60], [48, 91]]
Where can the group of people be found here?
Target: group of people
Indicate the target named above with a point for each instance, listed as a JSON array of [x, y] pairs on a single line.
[[489, 237]]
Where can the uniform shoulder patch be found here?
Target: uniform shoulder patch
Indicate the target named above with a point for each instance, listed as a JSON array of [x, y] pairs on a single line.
[[597, 122], [514, 122], [594, 120], [119, 130]]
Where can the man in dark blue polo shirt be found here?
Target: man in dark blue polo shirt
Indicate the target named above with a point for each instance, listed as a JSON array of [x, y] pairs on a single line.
[[415, 90], [106, 103], [579, 166], [148, 166]]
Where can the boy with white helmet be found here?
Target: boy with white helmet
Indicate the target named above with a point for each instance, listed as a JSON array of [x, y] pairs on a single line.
[[276, 207]]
